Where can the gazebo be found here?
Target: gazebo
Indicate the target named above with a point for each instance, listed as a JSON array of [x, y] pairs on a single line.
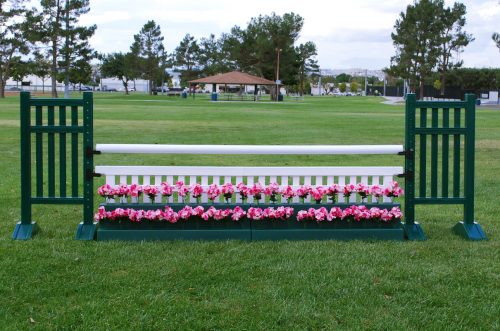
[[233, 78]]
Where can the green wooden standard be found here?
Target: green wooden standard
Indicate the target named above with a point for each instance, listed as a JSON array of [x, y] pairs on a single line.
[[57, 147], [434, 181]]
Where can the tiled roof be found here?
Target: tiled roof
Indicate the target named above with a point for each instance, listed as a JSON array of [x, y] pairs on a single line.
[[234, 77]]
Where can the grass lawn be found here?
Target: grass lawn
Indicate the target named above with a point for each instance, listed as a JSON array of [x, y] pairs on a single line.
[[55, 282]]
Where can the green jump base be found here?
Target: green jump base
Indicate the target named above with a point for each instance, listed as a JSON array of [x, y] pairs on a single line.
[[470, 231], [86, 231], [25, 231], [329, 234], [414, 232], [247, 230]]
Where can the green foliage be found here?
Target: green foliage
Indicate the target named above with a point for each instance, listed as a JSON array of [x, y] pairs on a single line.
[[496, 39], [14, 41], [66, 42], [474, 80], [342, 87], [437, 84], [354, 87], [417, 42], [307, 64], [121, 66], [343, 78], [148, 47], [187, 56]]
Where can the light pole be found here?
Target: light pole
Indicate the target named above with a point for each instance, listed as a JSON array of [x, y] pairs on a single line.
[[278, 51]]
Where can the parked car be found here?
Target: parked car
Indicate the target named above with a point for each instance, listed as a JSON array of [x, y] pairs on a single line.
[[85, 88]]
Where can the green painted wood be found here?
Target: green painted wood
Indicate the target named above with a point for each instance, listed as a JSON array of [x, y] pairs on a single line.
[[51, 156], [440, 130], [440, 200], [469, 156], [39, 152], [46, 102], [423, 154], [456, 154], [57, 129], [62, 152], [410, 124], [434, 154], [25, 116], [57, 200], [74, 153], [440, 104], [445, 152]]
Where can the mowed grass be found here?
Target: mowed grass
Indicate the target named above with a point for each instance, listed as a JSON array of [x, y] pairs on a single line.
[[54, 282]]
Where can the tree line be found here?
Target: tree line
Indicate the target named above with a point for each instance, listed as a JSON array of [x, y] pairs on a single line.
[[48, 41]]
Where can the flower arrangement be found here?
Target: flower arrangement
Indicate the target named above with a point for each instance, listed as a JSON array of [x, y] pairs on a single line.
[[257, 191], [350, 214]]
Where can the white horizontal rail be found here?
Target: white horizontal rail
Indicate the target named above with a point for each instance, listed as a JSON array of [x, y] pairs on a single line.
[[248, 149], [246, 171]]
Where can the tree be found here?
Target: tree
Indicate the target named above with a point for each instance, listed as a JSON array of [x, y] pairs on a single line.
[[496, 39], [41, 68], [13, 38], [354, 87], [254, 49], [417, 39], [121, 66], [214, 56], [343, 78], [307, 64], [452, 39], [148, 45], [68, 43], [187, 57], [342, 87]]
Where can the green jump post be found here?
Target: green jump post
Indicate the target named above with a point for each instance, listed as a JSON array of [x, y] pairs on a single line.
[[413, 230], [57, 192], [469, 228], [26, 227]]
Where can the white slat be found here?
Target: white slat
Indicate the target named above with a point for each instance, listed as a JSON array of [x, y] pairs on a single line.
[[341, 183], [204, 183], [179, 198], [239, 179], [284, 183], [216, 180], [146, 181], [387, 181], [158, 185], [307, 181], [296, 184], [250, 183]]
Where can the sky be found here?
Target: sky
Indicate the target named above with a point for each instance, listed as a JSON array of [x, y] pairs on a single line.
[[347, 34]]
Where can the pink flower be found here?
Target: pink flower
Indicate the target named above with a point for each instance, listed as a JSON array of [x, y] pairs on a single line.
[[303, 191], [363, 190], [167, 189], [100, 215], [393, 190], [185, 213], [317, 193], [121, 190], [302, 215], [227, 191], [272, 190], [288, 193], [335, 213], [106, 191], [209, 213], [182, 189], [198, 211], [135, 190], [332, 191], [376, 191], [220, 214], [348, 189], [150, 190], [153, 215], [256, 191], [238, 213], [243, 190], [321, 214], [213, 191], [196, 190], [170, 215], [254, 213]]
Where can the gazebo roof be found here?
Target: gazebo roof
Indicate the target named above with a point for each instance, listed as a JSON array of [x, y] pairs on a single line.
[[234, 77]]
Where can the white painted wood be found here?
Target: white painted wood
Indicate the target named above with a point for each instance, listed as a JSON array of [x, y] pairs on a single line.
[[248, 149], [341, 183], [204, 183], [158, 185], [296, 184], [307, 181], [179, 198], [250, 182], [284, 183], [246, 171], [387, 181]]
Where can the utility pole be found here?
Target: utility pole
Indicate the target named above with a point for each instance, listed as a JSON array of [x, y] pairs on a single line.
[[278, 51]]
